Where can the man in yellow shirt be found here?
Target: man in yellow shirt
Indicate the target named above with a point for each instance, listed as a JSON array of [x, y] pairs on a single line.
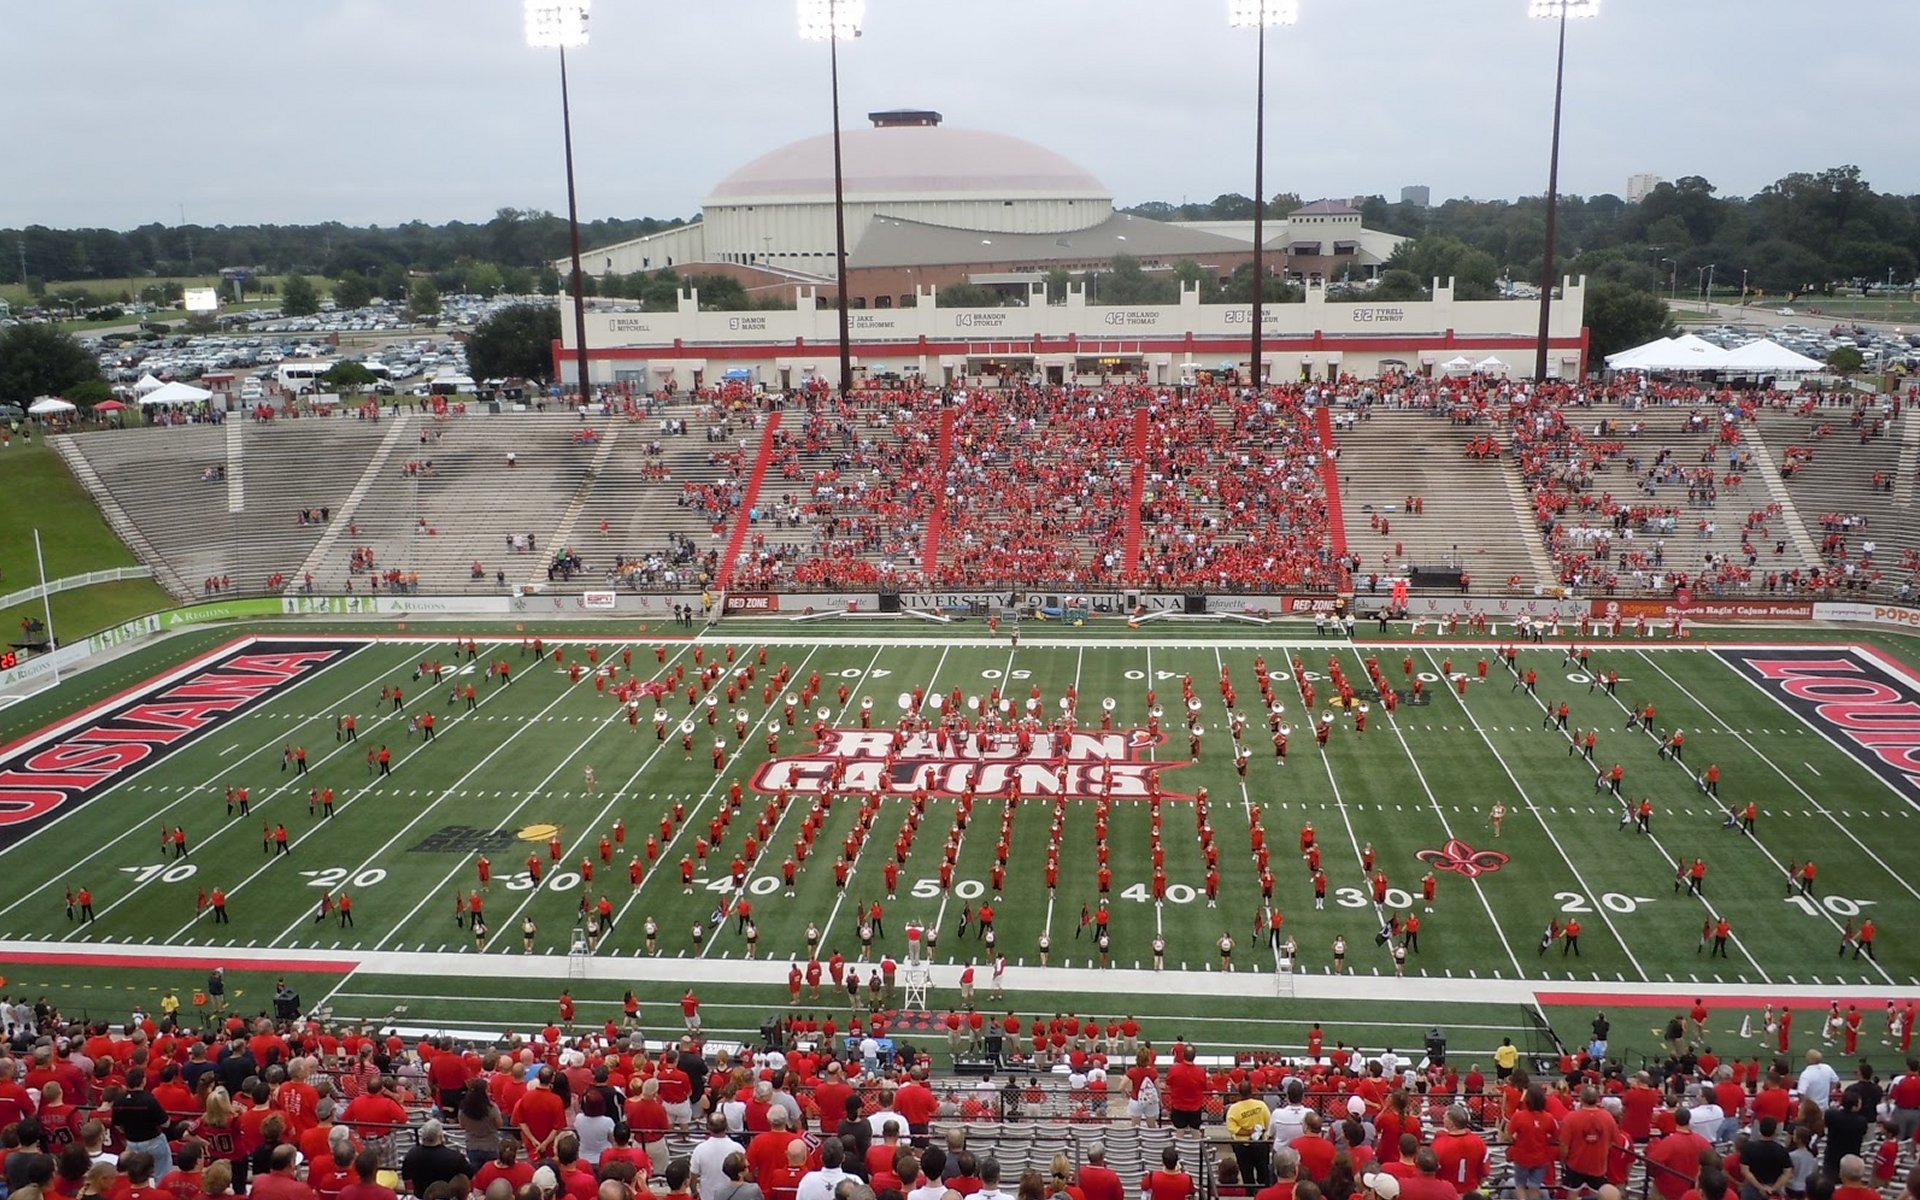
[[1505, 1058], [1248, 1119], [169, 1009]]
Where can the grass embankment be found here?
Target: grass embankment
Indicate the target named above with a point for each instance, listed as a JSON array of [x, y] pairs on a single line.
[[43, 494]]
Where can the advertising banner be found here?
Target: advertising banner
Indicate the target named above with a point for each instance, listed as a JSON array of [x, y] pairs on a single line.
[[1878, 614], [1706, 610]]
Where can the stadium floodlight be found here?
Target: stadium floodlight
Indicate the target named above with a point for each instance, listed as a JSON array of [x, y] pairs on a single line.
[[833, 22], [562, 25], [557, 24], [1560, 11], [1259, 16], [1248, 14], [836, 19], [1552, 10]]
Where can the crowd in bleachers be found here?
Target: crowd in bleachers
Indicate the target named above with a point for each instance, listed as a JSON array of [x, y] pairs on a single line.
[[296, 1109]]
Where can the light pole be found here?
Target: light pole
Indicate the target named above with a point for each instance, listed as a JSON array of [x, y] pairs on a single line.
[[557, 25], [1259, 15], [1560, 10], [830, 21]]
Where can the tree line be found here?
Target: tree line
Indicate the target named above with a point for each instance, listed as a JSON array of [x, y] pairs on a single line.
[[1806, 232]]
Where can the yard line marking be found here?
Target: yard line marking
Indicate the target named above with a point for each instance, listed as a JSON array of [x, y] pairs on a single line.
[[230, 749], [1792, 783], [588, 830], [853, 868], [770, 719], [388, 845], [292, 785], [189, 793], [1006, 674], [1578, 881], [1445, 826], [1661, 847], [1046, 925]]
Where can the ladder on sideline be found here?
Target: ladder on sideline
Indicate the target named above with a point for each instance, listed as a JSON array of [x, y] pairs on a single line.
[[577, 956], [1283, 977]]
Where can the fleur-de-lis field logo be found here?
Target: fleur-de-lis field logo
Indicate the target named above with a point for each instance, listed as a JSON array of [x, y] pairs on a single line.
[[1463, 860]]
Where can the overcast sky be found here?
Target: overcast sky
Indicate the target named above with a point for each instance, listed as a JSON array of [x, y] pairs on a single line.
[[378, 111]]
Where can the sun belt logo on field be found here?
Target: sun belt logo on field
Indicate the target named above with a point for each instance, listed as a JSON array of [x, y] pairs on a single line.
[[1088, 766]]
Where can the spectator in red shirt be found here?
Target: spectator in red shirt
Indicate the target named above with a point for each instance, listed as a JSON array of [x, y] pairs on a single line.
[[1426, 1183], [366, 1182], [1674, 1160], [1315, 1151], [279, 1182], [541, 1115], [1186, 1092], [1531, 1133], [1169, 1182], [1636, 1107], [1098, 1180], [1586, 1141], [1462, 1153], [506, 1165], [1286, 1172]]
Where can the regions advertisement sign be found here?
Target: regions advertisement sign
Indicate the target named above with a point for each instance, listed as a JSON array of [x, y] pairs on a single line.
[[60, 768], [1705, 610], [1878, 614], [223, 610], [1868, 705], [1087, 766]]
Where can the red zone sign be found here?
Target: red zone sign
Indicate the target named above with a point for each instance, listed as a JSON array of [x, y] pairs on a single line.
[[1085, 766], [54, 772], [1868, 704]]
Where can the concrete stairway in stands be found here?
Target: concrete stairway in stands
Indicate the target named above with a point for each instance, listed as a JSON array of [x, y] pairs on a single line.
[[117, 519], [1475, 510]]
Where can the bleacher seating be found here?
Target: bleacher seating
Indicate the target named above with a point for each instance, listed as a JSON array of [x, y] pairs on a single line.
[[1630, 489], [1842, 465], [171, 482]]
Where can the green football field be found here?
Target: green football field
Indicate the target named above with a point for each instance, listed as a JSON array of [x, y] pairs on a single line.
[[1419, 786]]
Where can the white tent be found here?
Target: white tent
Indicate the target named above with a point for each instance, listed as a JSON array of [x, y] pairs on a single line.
[[1689, 353], [1491, 366], [50, 404], [1458, 365], [1684, 353], [147, 384], [176, 393], [1637, 358], [1766, 357]]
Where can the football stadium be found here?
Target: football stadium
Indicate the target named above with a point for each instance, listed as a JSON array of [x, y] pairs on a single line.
[[1080, 752]]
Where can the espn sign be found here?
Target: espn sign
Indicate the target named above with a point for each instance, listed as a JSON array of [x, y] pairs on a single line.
[[1860, 701]]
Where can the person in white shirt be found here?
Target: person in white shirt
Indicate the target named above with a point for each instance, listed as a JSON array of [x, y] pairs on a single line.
[[877, 1120], [990, 1181], [1818, 1080], [1290, 1119], [709, 1158], [819, 1185]]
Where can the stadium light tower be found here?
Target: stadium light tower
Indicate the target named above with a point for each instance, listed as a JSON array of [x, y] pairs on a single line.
[[1561, 11], [832, 21], [560, 25], [1260, 15]]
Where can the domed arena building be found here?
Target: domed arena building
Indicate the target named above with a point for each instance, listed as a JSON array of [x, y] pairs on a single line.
[[927, 204]]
